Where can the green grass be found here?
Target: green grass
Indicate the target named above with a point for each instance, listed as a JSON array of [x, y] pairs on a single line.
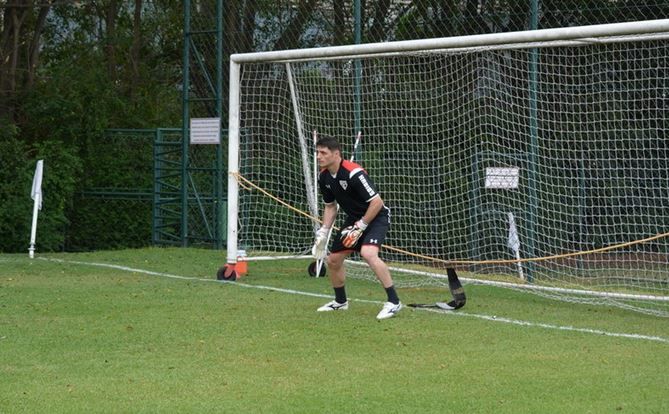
[[79, 338]]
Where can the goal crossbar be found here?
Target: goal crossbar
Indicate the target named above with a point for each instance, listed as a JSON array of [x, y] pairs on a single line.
[[457, 42]]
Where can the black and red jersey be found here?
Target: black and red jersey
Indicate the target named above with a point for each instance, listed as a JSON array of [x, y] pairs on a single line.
[[351, 188]]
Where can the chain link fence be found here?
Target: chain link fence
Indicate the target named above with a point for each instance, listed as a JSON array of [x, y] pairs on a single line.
[[113, 209], [131, 192], [216, 28], [158, 201], [263, 26]]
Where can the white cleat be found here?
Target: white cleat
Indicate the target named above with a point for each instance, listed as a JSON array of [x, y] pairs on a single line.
[[389, 310], [333, 306]]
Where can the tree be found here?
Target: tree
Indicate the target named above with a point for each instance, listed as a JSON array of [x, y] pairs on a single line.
[[70, 69], [21, 27]]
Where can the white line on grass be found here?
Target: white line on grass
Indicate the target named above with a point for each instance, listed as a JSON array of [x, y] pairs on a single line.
[[302, 293]]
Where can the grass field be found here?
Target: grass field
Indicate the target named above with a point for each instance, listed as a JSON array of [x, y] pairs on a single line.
[[78, 337]]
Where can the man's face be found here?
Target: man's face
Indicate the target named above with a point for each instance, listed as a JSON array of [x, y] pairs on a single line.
[[327, 157]]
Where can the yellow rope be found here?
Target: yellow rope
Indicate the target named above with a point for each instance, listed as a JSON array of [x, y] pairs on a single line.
[[246, 184]]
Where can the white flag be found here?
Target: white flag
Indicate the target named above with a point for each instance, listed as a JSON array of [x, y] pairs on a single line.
[[514, 244], [514, 240], [37, 183]]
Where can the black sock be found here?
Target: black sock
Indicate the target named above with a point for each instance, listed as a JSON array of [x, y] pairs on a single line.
[[392, 295], [340, 294]]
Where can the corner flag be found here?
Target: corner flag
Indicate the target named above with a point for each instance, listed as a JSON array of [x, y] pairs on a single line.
[[36, 194], [514, 243]]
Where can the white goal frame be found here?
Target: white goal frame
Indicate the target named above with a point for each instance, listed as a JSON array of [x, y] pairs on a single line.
[[569, 36]]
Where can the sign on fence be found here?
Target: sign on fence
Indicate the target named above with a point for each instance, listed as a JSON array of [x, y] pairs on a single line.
[[205, 131]]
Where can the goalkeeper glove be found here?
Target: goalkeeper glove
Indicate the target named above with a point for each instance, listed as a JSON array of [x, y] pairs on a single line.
[[320, 246], [351, 234]]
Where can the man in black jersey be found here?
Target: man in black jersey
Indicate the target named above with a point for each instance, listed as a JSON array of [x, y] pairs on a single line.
[[364, 230]]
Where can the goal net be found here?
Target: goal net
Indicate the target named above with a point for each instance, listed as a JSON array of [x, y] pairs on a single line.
[[531, 160]]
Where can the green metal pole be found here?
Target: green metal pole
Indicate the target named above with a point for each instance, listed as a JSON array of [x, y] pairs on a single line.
[[532, 176], [185, 131], [157, 187], [357, 105], [219, 231]]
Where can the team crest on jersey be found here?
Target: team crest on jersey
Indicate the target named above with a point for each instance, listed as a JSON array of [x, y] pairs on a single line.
[[343, 184]]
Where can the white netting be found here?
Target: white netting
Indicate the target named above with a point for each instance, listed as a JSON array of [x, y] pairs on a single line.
[[584, 133]]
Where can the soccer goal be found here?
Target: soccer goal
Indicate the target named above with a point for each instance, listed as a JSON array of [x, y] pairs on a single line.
[[533, 160]]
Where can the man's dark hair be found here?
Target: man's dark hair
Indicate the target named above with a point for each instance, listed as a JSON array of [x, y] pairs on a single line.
[[329, 142]]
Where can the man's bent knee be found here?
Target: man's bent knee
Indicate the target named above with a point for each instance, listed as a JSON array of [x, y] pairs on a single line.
[[336, 260], [369, 253]]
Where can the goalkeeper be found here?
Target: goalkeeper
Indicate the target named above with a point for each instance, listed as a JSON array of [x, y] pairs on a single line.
[[364, 230]]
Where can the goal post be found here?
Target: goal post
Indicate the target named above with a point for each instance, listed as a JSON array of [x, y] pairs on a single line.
[[579, 113]]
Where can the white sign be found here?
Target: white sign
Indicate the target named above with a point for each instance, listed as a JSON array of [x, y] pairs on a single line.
[[502, 177], [205, 131]]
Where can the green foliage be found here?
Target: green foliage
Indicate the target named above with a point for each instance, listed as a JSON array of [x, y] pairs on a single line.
[[112, 209], [15, 184], [88, 81], [99, 223], [75, 112], [62, 169], [17, 166]]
